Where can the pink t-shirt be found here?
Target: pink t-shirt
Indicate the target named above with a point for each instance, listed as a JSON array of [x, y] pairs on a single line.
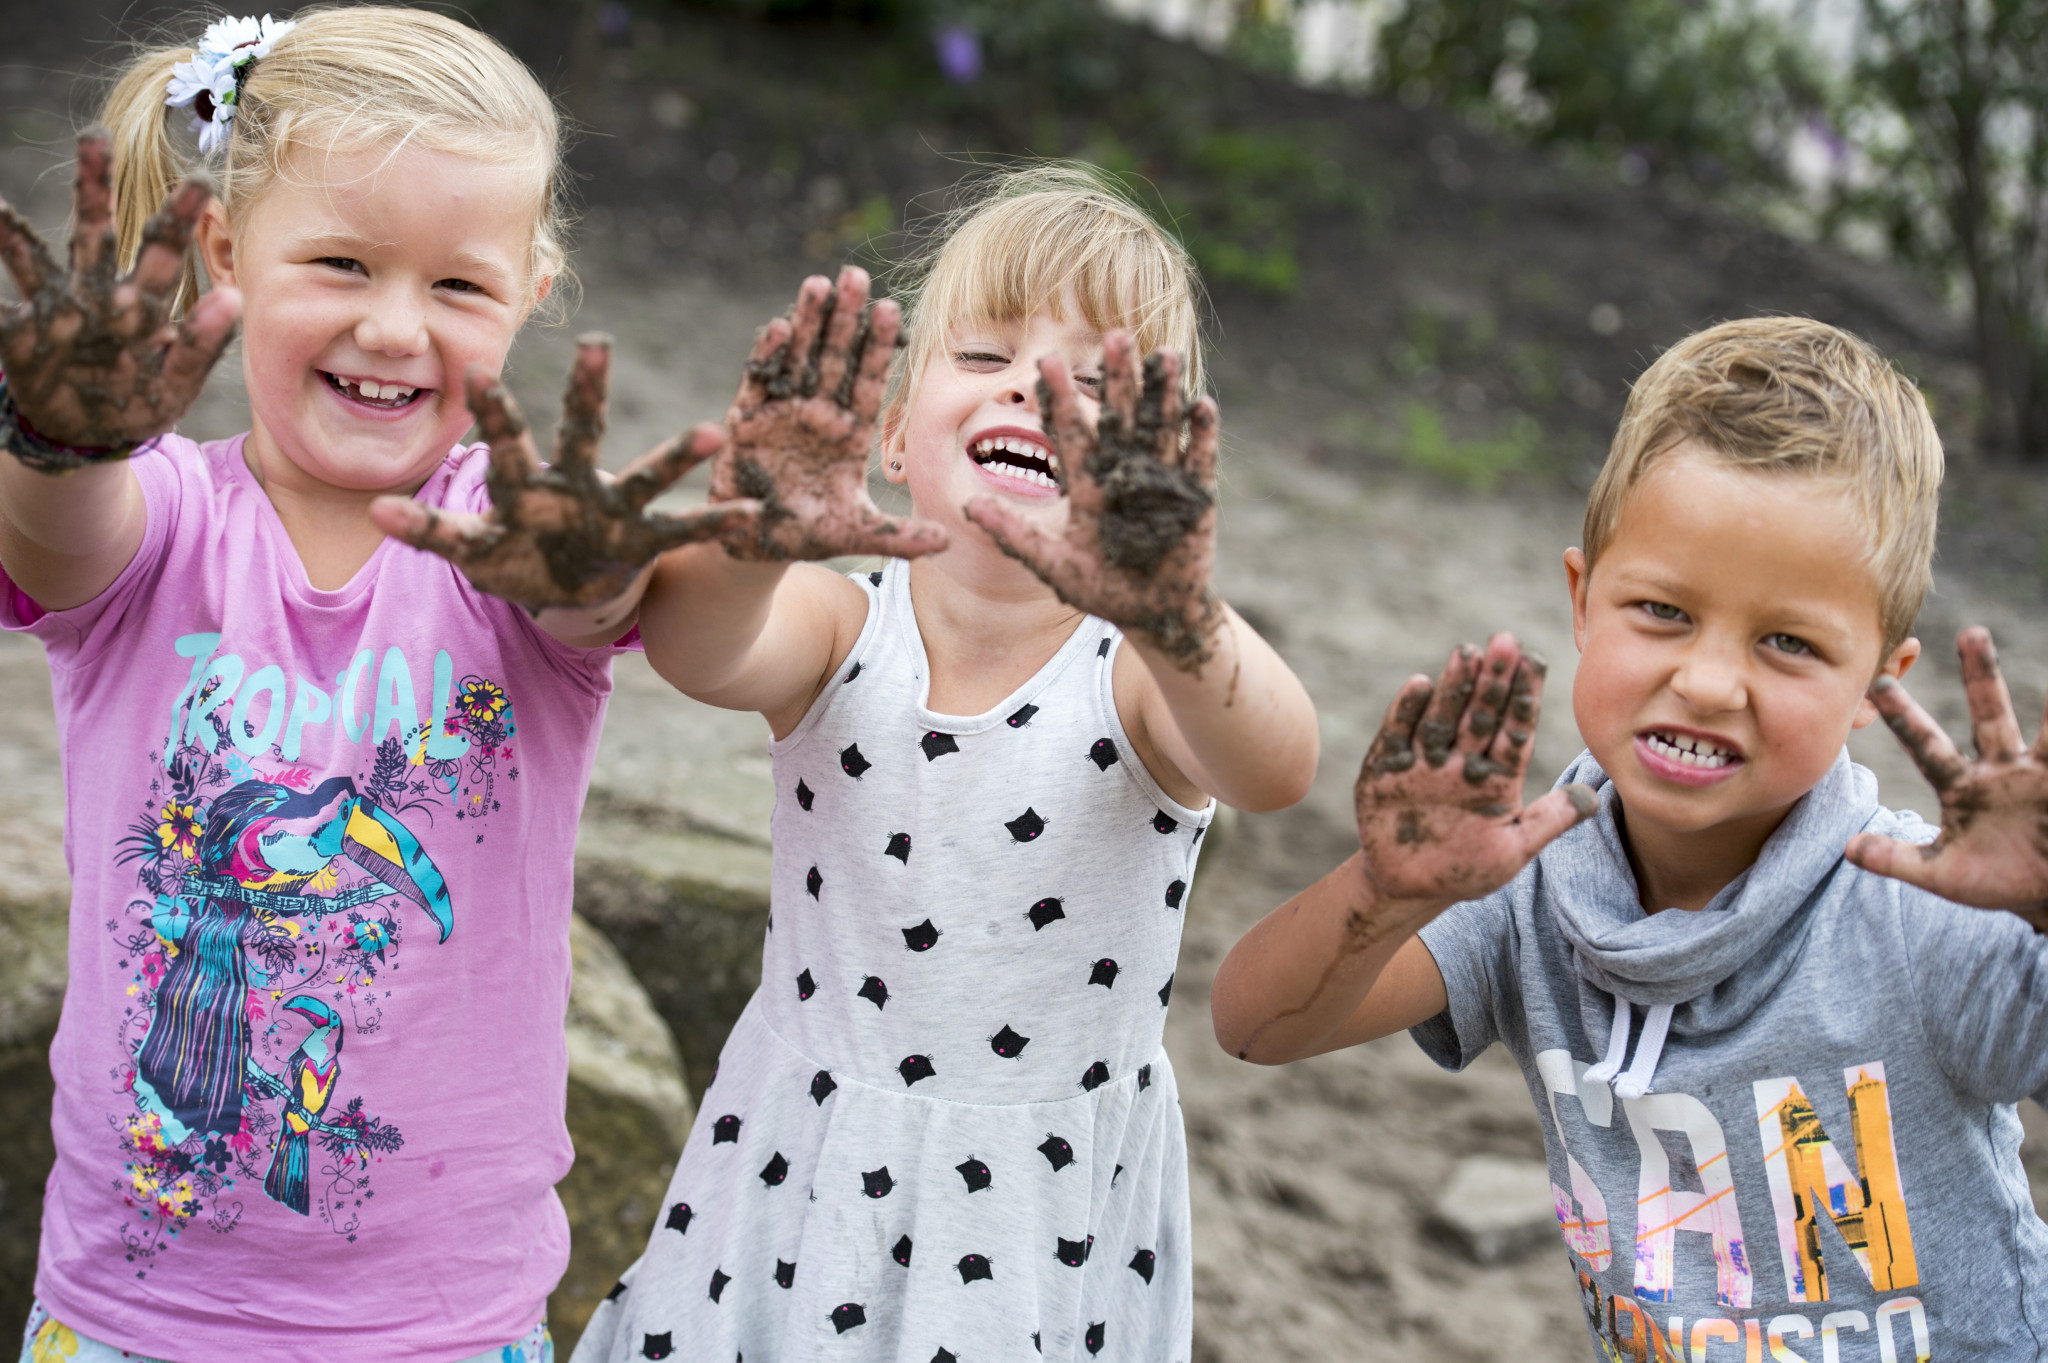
[[311, 1065]]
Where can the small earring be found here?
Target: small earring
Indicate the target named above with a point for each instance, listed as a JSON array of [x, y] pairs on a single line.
[[896, 464]]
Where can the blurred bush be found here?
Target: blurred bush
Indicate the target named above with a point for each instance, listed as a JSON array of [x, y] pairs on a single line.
[[1931, 133], [1945, 115], [1708, 90]]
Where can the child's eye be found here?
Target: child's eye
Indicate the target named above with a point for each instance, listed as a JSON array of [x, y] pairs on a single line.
[[1788, 643], [342, 263], [1091, 382], [1663, 610], [980, 359], [457, 286]]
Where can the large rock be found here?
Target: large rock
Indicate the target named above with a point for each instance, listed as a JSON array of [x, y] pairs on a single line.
[[32, 973], [629, 1112], [688, 908], [34, 892]]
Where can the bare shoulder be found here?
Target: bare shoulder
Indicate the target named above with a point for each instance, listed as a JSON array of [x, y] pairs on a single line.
[[830, 608]]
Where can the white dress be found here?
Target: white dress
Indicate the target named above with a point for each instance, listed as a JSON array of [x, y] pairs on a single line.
[[944, 1127]]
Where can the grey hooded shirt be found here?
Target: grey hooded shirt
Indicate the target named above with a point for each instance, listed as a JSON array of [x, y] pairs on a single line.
[[1800, 1142]]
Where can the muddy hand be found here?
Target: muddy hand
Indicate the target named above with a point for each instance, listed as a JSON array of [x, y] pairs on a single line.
[[93, 359], [1141, 504], [564, 535], [1439, 800], [1993, 848], [798, 434]]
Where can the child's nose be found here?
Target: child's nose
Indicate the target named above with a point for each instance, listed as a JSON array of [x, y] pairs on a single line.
[[1710, 682], [1017, 396], [394, 324]]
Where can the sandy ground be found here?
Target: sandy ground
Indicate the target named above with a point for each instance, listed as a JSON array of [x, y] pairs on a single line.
[[1311, 1184]]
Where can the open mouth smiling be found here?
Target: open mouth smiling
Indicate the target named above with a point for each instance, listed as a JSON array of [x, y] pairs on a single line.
[[1023, 457], [1693, 755], [387, 397]]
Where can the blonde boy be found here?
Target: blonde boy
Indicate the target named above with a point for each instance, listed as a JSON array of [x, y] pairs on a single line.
[[1776, 1086]]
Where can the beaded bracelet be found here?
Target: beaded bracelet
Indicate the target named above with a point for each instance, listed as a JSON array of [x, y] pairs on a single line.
[[47, 456]]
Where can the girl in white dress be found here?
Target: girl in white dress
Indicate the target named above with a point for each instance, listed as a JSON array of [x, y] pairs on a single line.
[[944, 1128]]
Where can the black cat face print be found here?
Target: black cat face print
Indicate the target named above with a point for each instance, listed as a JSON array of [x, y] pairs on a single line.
[[1026, 826], [1008, 1043]]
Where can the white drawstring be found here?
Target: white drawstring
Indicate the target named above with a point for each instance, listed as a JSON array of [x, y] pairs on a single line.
[[1649, 1050], [1617, 1046]]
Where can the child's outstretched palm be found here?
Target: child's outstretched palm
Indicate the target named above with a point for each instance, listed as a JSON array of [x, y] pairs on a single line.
[[1141, 504], [1439, 799], [564, 535], [799, 432], [1993, 848], [92, 358]]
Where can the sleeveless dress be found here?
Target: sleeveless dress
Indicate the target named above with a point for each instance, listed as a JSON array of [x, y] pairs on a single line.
[[944, 1127]]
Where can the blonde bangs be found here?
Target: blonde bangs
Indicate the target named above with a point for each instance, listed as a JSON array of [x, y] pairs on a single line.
[[347, 79], [1044, 239], [1795, 396]]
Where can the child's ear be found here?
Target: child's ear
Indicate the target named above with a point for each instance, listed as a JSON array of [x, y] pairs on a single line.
[[1576, 577], [1896, 667], [216, 245], [894, 441]]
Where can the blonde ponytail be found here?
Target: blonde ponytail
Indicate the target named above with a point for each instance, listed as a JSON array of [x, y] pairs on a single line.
[[147, 163], [350, 77]]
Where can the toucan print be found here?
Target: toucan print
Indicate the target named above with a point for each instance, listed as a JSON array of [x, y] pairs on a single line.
[[262, 845], [307, 1086]]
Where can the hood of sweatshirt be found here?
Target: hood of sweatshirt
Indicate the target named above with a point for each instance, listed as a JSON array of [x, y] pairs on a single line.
[[1701, 971]]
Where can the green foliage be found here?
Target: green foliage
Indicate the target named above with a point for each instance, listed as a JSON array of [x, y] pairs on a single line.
[[1240, 199], [1476, 464], [1699, 87]]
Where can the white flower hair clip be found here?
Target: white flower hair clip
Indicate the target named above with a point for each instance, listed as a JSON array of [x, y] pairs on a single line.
[[211, 83]]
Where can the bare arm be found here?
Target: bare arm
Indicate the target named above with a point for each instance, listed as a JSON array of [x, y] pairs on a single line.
[[748, 628], [571, 543], [1214, 701], [94, 363], [1243, 728], [1440, 820], [1993, 848]]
